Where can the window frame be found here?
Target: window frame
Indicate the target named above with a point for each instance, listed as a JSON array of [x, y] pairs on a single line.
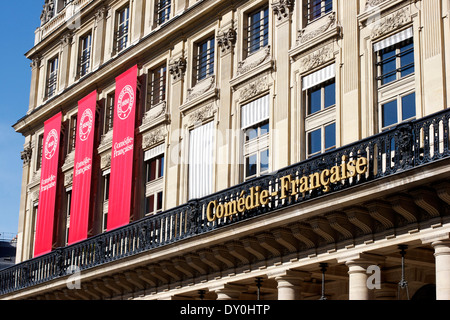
[[323, 10], [255, 147], [204, 59], [256, 38], [157, 94], [163, 9], [52, 77], [121, 34], [154, 188], [85, 55]]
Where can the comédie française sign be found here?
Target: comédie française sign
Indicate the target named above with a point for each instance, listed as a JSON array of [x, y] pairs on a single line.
[[288, 186]]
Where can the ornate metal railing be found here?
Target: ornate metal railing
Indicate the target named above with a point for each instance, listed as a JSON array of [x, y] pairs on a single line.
[[405, 147]]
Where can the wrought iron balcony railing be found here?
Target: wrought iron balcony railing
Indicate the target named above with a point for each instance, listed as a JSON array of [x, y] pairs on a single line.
[[405, 147]]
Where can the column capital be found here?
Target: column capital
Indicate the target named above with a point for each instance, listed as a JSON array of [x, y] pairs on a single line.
[[361, 258], [228, 291], [289, 274]]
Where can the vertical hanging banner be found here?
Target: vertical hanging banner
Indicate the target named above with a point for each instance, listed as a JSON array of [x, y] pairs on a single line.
[[47, 192], [119, 206], [82, 173]]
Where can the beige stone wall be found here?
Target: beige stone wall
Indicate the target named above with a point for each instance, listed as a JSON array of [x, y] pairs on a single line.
[[295, 49]]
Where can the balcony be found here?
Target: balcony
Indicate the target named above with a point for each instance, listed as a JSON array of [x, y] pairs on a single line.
[[406, 150]]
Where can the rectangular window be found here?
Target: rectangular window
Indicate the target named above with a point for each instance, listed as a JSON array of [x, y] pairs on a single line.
[[105, 191], [154, 182], [317, 8], [52, 77], [395, 62], [157, 86], [68, 202], [162, 11], [109, 113], [256, 150], [85, 55], [72, 134], [122, 29], [39, 152], [204, 64], [257, 30], [395, 78], [201, 164], [322, 139], [321, 97]]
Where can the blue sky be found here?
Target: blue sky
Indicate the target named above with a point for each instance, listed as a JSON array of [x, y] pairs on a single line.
[[19, 21]]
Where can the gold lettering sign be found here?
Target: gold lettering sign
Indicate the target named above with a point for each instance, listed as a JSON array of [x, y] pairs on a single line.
[[287, 187]]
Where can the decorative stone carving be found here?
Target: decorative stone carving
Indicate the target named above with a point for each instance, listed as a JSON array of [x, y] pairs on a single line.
[[316, 58], [25, 155], [391, 22], [201, 87], [48, 11], [254, 60], [35, 195], [36, 62], [153, 138], [254, 88], [283, 9], [226, 39], [105, 161], [66, 38], [68, 179], [154, 112], [304, 36], [100, 14], [373, 3], [202, 114], [177, 68]]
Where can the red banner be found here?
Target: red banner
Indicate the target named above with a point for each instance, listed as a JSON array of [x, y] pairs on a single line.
[[119, 206], [82, 172], [47, 193]]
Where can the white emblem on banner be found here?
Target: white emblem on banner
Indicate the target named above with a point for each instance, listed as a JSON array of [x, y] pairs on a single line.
[[50, 144], [125, 102], [85, 128]]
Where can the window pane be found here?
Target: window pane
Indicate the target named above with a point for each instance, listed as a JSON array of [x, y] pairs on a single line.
[[251, 163], [151, 204], [264, 129], [251, 133], [407, 59], [330, 136], [388, 65], [409, 106], [314, 142], [330, 94], [264, 161], [389, 113], [160, 201], [161, 167], [314, 101]]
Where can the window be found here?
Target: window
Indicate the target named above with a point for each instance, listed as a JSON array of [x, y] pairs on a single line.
[[321, 97], [162, 11], [72, 134], [52, 77], [109, 113], [68, 203], [157, 86], [204, 64], [105, 191], [154, 174], [255, 126], [40, 147], [395, 70], [317, 8], [395, 62], [320, 113], [201, 160], [85, 55], [322, 139], [122, 29], [257, 30], [256, 150]]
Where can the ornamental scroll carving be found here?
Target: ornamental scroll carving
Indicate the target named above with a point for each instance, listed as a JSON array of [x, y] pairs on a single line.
[[253, 89], [317, 58], [283, 8], [177, 68], [304, 36], [254, 60], [48, 11], [26, 154], [202, 114], [201, 87], [153, 138], [226, 39], [390, 22], [373, 3]]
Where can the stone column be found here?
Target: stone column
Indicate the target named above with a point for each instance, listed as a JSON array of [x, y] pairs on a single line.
[[35, 70], [137, 24], [229, 292], [289, 284], [98, 45], [357, 270], [442, 255], [64, 62]]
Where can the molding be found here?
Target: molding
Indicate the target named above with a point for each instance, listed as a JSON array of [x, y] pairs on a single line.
[[317, 58], [153, 138], [283, 9]]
